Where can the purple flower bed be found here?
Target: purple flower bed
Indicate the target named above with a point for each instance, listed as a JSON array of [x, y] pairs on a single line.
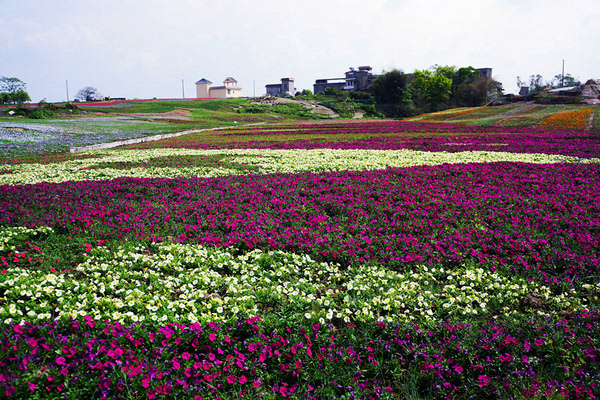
[[528, 218], [106, 360], [395, 135]]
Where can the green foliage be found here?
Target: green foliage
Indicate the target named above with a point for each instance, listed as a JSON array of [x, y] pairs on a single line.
[[11, 85], [432, 88], [391, 88], [46, 110], [336, 93], [287, 109], [12, 91], [5, 98], [392, 94], [473, 94], [42, 114], [88, 93], [566, 81]]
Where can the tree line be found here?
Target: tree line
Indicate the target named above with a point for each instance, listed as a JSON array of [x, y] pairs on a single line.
[[12, 91], [438, 88]]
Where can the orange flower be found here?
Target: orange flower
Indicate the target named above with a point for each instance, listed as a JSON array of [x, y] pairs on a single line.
[[568, 120]]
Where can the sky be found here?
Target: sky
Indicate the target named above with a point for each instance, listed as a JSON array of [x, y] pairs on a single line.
[[158, 48]]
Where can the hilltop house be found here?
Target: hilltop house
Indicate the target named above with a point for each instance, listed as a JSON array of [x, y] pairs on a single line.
[[230, 88], [589, 92], [354, 79], [285, 88]]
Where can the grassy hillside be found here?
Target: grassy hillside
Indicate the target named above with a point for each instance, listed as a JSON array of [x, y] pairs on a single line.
[[578, 117]]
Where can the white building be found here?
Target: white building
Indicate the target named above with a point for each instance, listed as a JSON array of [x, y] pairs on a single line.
[[230, 88]]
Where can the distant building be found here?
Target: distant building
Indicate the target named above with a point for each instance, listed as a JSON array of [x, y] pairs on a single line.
[[285, 88], [485, 72], [354, 79], [524, 91], [589, 91], [230, 88]]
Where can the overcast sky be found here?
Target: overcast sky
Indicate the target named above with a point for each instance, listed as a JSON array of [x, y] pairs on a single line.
[[145, 48]]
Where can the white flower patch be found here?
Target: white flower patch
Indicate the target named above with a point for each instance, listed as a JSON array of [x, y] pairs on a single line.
[[267, 161], [176, 282]]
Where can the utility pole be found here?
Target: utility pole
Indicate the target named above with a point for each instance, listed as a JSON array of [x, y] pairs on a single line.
[[253, 88], [67, 83], [182, 89], [562, 80]]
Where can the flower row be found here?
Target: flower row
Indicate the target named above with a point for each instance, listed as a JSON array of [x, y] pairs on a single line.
[[175, 282], [183, 163], [84, 358]]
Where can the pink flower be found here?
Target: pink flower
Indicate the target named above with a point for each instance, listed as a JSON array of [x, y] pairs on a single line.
[[484, 380], [212, 337], [197, 397], [18, 329], [176, 365], [458, 369], [211, 357], [60, 360], [283, 391], [525, 359], [10, 391], [243, 379], [186, 356], [31, 386], [256, 384], [539, 342], [231, 379]]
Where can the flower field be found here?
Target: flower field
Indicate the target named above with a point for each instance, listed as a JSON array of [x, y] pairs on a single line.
[[573, 117], [344, 259]]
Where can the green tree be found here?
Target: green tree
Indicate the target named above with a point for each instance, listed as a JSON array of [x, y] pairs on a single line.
[[14, 89], [431, 89], [566, 81], [476, 93], [392, 94], [20, 97], [536, 84], [88, 93], [465, 75], [11, 85], [5, 98]]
